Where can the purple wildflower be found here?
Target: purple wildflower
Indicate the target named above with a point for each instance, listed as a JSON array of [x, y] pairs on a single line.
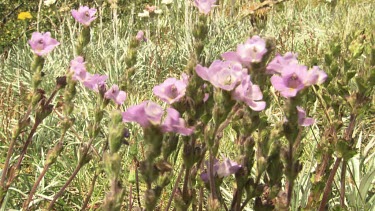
[[42, 44], [293, 78], [204, 6], [78, 68], [222, 74], [84, 15], [251, 51], [171, 90], [316, 76], [302, 120], [250, 94], [147, 113], [227, 167], [173, 123], [277, 64], [141, 36], [221, 169], [94, 82], [116, 94]]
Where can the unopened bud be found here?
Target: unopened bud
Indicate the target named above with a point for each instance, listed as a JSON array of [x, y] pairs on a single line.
[[61, 82], [54, 153]]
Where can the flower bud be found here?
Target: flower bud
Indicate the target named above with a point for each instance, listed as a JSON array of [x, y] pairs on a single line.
[[37, 64], [112, 164], [86, 158], [37, 96], [43, 111], [54, 153], [67, 123], [116, 131], [37, 79], [61, 82]]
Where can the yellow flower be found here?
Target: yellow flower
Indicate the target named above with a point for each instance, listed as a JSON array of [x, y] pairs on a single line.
[[24, 15]]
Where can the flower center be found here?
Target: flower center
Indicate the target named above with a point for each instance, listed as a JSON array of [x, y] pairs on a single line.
[[293, 81], [228, 80], [174, 91], [40, 45]]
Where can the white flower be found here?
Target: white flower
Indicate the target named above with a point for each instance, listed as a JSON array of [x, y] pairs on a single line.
[[158, 11], [145, 13], [167, 2], [49, 2]]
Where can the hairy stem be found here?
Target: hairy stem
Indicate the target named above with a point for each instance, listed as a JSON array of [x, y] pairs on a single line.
[[39, 179], [35, 186], [77, 169], [24, 149], [91, 190], [342, 184], [327, 189], [137, 183], [211, 176], [174, 188]]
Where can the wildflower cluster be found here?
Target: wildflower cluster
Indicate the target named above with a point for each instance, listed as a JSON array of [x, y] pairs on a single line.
[[238, 91]]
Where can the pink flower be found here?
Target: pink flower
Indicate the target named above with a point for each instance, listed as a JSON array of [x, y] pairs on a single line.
[[173, 123], [42, 44], [222, 74], [221, 169], [227, 167], [147, 113], [171, 90], [141, 36], [94, 82], [277, 64], [302, 120], [84, 15], [316, 76], [251, 51], [250, 94], [204, 6], [293, 79], [115, 94], [78, 68]]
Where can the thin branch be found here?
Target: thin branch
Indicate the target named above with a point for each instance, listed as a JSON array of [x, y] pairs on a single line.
[[342, 184], [175, 188], [77, 169], [327, 189], [91, 190]]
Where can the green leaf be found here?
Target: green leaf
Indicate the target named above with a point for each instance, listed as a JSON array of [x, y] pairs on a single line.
[[366, 183], [362, 86], [350, 75]]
